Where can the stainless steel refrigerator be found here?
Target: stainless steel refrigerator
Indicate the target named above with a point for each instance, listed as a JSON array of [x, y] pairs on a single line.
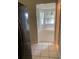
[[24, 44]]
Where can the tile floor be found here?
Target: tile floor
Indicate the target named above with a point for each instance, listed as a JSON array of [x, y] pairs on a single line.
[[44, 51], [45, 48]]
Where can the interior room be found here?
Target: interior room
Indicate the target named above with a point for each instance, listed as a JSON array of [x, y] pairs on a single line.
[[44, 18]]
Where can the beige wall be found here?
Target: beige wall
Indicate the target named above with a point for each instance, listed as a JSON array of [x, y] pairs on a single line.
[[31, 5]]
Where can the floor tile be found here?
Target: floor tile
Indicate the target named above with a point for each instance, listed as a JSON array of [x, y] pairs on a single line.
[[53, 58], [35, 57], [44, 53], [44, 57], [53, 54], [36, 53]]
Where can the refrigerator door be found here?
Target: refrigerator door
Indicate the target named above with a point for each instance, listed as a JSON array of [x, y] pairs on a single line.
[[24, 44]]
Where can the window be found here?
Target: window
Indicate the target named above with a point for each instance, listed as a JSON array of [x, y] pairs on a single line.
[[46, 16]]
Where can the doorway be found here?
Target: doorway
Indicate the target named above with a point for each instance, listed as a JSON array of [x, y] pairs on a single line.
[[45, 48]]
